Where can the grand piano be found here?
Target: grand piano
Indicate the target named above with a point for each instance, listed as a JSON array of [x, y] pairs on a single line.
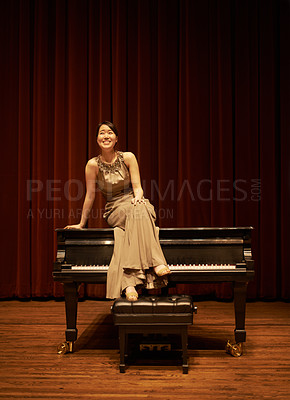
[[208, 255]]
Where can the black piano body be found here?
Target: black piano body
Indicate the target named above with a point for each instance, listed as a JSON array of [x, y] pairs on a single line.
[[205, 255]]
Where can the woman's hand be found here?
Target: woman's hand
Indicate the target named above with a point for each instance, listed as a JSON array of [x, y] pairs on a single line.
[[77, 226], [138, 199]]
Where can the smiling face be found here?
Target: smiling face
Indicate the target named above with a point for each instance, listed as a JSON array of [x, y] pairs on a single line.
[[106, 138]]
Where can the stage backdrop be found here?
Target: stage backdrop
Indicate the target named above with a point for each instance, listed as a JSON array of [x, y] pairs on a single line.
[[200, 93]]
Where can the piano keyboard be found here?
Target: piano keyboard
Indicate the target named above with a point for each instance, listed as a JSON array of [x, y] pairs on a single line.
[[178, 267]]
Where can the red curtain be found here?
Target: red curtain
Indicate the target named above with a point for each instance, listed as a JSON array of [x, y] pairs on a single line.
[[199, 92]]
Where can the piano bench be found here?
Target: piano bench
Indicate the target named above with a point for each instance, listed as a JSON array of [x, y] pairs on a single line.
[[152, 314]]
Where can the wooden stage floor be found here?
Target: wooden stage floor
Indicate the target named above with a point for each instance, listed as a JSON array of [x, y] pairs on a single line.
[[30, 367]]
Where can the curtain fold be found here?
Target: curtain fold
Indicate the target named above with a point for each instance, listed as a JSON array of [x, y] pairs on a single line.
[[199, 92], [283, 128], [247, 189]]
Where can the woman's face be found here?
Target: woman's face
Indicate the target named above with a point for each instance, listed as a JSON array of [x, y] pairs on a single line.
[[106, 138]]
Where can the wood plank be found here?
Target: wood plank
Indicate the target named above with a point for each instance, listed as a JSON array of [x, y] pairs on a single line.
[[31, 368]]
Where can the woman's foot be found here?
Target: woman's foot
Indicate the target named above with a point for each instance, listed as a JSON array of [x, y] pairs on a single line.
[[131, 294], [162, 270]]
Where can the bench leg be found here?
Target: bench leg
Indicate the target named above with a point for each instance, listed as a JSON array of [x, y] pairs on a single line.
[[122, 341], [184, 349]]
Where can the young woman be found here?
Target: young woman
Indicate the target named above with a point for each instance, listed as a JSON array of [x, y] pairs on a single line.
[[138, 258]]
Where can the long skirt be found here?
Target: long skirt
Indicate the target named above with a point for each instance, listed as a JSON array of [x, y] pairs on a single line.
[[136, 246]]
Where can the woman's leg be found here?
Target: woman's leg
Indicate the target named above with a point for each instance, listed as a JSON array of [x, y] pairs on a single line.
[[140, 252]]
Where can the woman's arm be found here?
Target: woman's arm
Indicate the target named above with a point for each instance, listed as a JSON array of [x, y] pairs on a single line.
[[91, 172], [133, 167]]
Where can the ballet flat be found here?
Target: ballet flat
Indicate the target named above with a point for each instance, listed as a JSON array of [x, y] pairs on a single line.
[[163, 271], [131, 296]]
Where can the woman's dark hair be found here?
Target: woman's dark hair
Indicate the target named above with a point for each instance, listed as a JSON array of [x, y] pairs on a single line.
[[110, 125]]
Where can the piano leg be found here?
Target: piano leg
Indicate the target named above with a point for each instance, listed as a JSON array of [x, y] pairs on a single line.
[[71, 304], [240, 295]]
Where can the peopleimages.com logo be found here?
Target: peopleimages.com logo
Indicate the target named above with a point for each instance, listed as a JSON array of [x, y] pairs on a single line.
[[204, 190]]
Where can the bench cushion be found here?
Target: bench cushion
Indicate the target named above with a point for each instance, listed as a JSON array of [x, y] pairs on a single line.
[[153, 310]]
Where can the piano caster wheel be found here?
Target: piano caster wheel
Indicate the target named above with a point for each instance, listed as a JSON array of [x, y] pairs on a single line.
[[65, 347], [235, 350], [185, 369]]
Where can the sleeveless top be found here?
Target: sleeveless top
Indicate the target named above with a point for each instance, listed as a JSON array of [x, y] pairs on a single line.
[[113, 179]]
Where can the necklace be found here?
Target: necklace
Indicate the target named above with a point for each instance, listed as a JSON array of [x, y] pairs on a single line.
[[112, 167]]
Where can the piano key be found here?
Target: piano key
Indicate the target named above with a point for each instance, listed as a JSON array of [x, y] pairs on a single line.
[[172, 267]]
